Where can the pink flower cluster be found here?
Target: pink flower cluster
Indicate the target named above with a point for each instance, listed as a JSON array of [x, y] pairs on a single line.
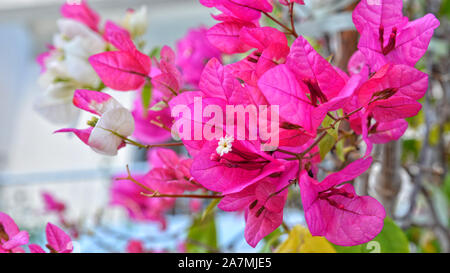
[[382, 89], [12, 239]]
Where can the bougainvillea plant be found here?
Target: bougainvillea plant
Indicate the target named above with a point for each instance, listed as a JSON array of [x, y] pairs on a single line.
[[255, 106]]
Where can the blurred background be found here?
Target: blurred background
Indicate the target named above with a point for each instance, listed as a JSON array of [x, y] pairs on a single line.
[[410, 177]]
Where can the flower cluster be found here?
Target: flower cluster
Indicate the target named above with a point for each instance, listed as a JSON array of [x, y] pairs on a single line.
[[65, 66], [238, 165], [12, 239]]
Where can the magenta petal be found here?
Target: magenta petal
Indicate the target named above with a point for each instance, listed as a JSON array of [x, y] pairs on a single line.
[[341, 100], [280, 86], [8, 224], [273, 203], [163, 158], [413, 41], [213, 80], [306, 63], [167, 55], [272, 56], [359, 222], [58, 239], [225, 36], [404, 80], [388, 131], [259, 226], [91, 101], [239, 200], [51, 204], [35, 248], [394, 108], [343, 219], [352, 171], [121, 70], [309, 194], [81, 12], [262, 37], [371, 14], [145, 131], [192, 51], [246, 10], [356, 63], [118, 37], [82, 134], [247, 6], [220, 178], [244, 70], [17, 240], [166, 83]]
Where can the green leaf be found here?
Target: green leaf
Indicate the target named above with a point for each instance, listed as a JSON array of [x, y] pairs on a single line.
[[155, 52], [391, 239], [146, 96], [202, 235], [158, 106], [417, 120], [340, 150], [411, 148], [327, 122], [210, 208], [325, 145], [445, 9]]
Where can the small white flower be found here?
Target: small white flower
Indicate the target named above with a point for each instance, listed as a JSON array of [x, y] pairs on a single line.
[[118, 120], [136, 21], [225, 145]]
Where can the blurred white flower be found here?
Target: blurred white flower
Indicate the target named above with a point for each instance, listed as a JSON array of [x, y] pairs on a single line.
[[67, 68], [56, 103], [136, 21]]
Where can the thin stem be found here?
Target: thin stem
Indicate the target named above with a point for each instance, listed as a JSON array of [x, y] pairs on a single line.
[[286, 152], [291, 182], [158, 123], [130, 178], [143, 146], [203, 196], [291, 15], [157, 194], [290, 31], [285, 227], [331, 116], [353, 112], [314, 144], [269, 16]]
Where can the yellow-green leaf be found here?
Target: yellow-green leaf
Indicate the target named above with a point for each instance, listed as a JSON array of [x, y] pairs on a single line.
[[202, 235], [158, 106], [146, 96], [325, 145], [210, 208]]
